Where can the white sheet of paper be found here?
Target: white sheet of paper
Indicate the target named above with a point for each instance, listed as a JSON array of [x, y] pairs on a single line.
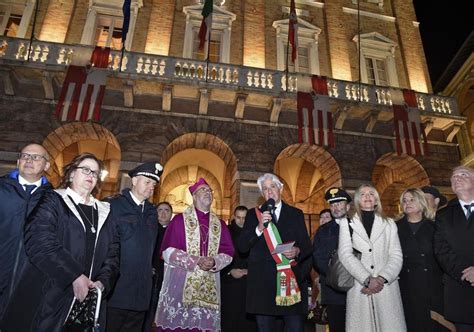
[[283, 247]]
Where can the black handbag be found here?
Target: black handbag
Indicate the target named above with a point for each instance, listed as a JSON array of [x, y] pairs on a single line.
[[337, 277], [318, 315], [85, 314]]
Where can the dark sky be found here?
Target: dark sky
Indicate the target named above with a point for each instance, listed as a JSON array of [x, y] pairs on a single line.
[[444, 26]]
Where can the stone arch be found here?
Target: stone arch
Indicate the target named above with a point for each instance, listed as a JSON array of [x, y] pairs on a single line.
[[222, 172], [73, 138], [307, 171], [392, 175]]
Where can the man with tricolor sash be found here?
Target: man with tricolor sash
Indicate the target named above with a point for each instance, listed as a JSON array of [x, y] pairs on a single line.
[[277, 240], [196, 246]]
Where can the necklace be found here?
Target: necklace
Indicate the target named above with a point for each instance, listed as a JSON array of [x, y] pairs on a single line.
[[88, 220]]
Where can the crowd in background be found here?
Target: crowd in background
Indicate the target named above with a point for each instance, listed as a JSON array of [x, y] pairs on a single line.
[[193, 272]]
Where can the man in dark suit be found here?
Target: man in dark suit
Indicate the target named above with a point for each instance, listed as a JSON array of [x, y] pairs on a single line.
[[276, 285], [20, 191], [454, 249], [325, 243]]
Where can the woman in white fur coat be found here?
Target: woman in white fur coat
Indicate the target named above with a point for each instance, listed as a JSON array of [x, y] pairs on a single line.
[[374, 302]]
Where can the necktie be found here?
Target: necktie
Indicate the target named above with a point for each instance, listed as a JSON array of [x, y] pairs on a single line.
[[29, 188], [274, 217], [468, 208]]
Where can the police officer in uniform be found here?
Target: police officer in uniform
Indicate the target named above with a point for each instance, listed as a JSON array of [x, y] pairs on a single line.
[[325, 243], [136, 219]]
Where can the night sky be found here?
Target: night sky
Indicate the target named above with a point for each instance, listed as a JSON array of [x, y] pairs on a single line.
[[444, 26]]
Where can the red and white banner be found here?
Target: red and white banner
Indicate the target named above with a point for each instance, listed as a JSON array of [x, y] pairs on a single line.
[[315, 121], [409, 131], [84, 88], [293, 31]]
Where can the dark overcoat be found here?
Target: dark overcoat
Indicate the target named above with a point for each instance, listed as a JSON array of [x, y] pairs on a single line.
[[55, 244], [261, 280], [324, 244], [421, 276], [15, 206], [138, 232], [234, 291], [454, 249]]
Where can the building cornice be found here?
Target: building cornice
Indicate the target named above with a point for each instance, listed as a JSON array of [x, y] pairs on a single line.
[[369, 14]]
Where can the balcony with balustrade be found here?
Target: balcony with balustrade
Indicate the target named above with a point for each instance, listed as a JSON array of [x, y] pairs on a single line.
[[438, 111]]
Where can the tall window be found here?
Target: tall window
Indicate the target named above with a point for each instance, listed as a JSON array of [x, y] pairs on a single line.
[[219, 48], [10, 20], [307, 60], [377, 61], [13, 23], [302, 63], [109, 32], [376, 71], [214, 47], [104, 22]]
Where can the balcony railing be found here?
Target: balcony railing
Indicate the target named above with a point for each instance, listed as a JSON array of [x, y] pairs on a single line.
[[225, 75]]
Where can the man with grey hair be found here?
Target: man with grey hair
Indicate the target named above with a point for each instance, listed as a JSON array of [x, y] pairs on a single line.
[[276, 285], [454, 249], [20, 191]]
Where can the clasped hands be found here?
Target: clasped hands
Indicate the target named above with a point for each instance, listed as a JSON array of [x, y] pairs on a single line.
[[468, 275], [206, 263], [375, 285], [81, 286]]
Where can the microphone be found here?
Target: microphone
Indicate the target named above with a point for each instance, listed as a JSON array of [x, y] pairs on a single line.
[[269, 206]]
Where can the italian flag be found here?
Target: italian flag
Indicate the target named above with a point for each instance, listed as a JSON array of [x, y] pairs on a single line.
[[205, 29]]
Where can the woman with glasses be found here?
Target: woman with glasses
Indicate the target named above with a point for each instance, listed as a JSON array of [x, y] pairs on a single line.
[[72, 246], [421, 277], [374, 302]]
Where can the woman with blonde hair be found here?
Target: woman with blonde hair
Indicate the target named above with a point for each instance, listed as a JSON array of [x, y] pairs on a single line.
[[420, 279], [374, 302]]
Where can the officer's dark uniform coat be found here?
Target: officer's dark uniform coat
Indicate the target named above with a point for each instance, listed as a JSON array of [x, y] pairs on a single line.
[[138, 232], [325, 243]]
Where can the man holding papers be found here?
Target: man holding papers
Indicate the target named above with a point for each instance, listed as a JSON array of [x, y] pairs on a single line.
[[275, 283]]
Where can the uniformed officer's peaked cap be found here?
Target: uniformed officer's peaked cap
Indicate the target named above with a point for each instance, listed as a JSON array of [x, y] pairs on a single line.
[[152, 170], [335, 194]]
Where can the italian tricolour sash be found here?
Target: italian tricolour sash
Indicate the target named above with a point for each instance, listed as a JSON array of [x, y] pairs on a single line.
[[287, 289]]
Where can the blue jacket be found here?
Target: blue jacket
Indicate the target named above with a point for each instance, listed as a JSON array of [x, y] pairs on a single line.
[[138, 232], [15, 206], [325, 242]]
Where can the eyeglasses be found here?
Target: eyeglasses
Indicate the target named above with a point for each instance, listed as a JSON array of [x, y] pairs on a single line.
[[205, 190], [31, 156], [88, 171]]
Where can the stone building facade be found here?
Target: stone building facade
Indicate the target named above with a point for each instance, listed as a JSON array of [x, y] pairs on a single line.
[[234, 118]]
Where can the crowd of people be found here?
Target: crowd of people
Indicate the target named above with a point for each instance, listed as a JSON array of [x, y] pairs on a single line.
[[193, 272]]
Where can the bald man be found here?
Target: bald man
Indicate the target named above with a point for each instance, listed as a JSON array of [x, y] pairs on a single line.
[[20, 191]]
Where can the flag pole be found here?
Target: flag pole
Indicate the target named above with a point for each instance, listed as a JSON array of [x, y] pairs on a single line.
[[33, 30], [121, 57], [359, 97], [208, 51], [287, 60]]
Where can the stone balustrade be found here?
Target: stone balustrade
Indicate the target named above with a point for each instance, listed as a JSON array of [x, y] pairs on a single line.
[[223, 75]]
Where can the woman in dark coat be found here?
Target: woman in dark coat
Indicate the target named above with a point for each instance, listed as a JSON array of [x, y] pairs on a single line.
[[72, 247], [420, 279]]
